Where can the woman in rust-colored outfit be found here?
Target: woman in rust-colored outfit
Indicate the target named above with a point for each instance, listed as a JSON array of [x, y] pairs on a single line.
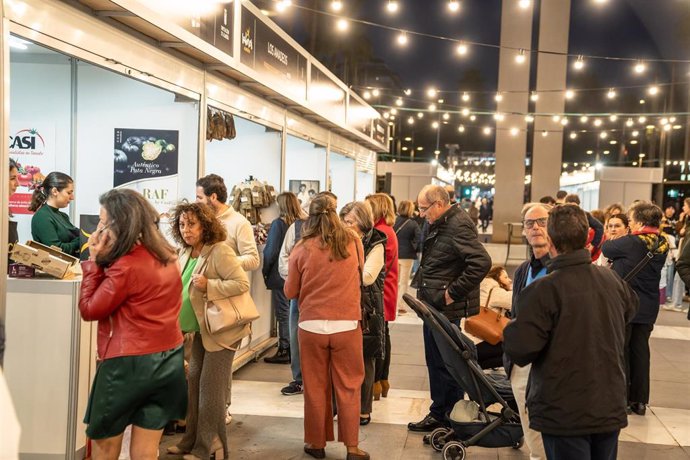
[[324, 274]]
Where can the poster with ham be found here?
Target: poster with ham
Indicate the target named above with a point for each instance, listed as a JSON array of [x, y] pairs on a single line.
[[32, 146], [146, 160]]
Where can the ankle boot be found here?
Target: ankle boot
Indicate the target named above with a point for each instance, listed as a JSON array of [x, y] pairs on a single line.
[[282, 356], [385, 386], [377, 390]]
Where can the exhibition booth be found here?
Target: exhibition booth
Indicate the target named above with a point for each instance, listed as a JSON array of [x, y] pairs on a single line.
[[97, 100]]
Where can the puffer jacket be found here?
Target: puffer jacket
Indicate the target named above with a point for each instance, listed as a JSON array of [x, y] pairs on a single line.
[[136, 302], [574, 338], [372, 302], [625, 253], [453, 259]]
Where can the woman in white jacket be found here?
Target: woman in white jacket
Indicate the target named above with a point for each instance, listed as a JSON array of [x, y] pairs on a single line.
[[496, 292]]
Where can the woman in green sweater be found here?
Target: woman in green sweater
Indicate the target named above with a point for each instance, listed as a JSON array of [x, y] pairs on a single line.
[[49, 225]]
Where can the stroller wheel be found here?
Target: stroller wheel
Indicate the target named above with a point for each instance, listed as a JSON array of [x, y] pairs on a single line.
[[437, 438], [519, 444], [454, 450]]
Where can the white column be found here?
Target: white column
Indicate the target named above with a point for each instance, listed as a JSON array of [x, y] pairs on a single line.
[[516, 32], [554, 24]]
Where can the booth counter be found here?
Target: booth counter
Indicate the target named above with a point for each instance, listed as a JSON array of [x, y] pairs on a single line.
[[50, 360]]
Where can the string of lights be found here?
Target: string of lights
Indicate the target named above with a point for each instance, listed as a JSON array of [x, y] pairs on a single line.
[[640, 65]]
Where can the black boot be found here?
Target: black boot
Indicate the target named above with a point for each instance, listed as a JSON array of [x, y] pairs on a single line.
[[282, 356]]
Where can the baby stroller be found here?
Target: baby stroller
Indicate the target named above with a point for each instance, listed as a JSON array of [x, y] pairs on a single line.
[[460, 357]]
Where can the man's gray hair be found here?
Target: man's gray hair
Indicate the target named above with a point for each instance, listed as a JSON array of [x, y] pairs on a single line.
[[529, 206], [433, 193]]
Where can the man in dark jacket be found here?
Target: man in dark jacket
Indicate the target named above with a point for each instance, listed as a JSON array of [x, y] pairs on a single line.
[[626, 252], [453, 265], [571, 327]]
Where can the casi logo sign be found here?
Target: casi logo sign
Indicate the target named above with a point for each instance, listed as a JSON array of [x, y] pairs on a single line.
[[247, 41], [27, 139]]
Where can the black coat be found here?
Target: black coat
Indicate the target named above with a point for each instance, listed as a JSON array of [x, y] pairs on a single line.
[[625, 253], [274, 241], [372, 301], [571, 327], [408, 232], [453, 259]]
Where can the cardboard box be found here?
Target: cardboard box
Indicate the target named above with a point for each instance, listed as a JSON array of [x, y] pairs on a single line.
[[50, 260]]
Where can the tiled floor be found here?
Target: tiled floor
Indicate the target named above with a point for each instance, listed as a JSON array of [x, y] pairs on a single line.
[[268, 425]]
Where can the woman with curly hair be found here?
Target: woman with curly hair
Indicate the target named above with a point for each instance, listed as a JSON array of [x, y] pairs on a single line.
[[210, 271], [131, 286]]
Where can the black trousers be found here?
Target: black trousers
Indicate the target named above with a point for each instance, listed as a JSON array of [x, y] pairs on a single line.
[[383, 365], [445, 391], [603, 446], [637, 361], [490, 356]]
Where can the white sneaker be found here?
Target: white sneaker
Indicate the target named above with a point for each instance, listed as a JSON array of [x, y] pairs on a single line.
[[680, 309], [668, 307], [228, 417]]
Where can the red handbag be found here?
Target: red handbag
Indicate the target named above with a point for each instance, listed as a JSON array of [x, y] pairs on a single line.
[[487, 324]]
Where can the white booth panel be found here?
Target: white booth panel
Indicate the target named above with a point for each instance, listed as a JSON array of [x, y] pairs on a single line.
[[255, 151], [304, 163], [342, 174], [130, 104], [365, 184]]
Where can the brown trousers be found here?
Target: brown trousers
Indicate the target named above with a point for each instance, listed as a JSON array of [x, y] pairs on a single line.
[[331, 362]]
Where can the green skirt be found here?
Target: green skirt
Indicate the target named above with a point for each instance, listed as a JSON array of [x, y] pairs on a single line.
[[145, 391]]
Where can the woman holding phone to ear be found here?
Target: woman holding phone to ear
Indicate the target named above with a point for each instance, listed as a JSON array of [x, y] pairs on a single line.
[[132, 287]]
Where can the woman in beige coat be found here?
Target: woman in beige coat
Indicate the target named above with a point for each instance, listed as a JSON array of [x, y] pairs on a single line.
[[210, 271]]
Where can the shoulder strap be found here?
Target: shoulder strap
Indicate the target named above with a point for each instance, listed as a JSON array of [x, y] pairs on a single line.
[[298, 230], [402, 226], [359, 266], [489, 297], [208, 256], [642, 263]]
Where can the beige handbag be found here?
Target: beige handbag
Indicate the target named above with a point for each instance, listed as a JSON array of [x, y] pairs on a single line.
[[224, 314]]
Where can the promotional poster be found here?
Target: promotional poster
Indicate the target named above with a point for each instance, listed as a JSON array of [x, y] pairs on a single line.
[[33, 148], [146, 160]]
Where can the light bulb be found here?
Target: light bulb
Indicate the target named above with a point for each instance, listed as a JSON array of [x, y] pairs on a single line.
[[473, 117], [367, 95], [564, 121], [544, 133], [629, 122], [420, 114], [407, 92], [376, 93], [611, 93], [667, 127], [613, 117], [392, 6], [498, 97], [584, 118], [653, 90], [664, 121], [529, 118], [465, 112], [394, 111], [410, 121], [569, 94], [342, 25], [461, 49], [524, 4], [642, 120], [597, 122], [282, 5], [579, 64], [487, 130], [514, 131], [520, 58], [573, 135], [435, 125], [604, 135], [635, 133], [556, 118], [446, 116], [453, 5], [431, 92], [640, 67], [461, 128], [534, 97], [336, 5], [672, 119], [499, 117], [465, 97], [432, 107]]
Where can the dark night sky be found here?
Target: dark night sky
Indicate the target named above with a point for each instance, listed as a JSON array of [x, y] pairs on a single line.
[[626, 28]]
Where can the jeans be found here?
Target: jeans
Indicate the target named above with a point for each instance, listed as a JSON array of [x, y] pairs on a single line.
[[670, 272], [601, 446], [295, 364], [533, 439], [678, 291], [445, 391], [282, 310]]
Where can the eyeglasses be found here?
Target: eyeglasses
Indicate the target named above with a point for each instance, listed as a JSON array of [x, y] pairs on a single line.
[[426, 208], [529, 223]]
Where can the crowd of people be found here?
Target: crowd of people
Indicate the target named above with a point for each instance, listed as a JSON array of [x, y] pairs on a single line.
[[578, 359]]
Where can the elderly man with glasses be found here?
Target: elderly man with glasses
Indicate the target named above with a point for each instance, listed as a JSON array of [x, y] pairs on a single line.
[[453, 265]]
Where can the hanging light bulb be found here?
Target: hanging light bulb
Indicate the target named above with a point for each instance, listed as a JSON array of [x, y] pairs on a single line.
[[376, 93], [367, 95], [487, 130], [282, 5], [611, 93], [604, 135], [564, 121], [431, 92], [640, 67], [435, 125], [635, 133], [432, 107], [499, 117], [580, 63], [569, 94], [629, 122], [529, 118], [465, 112], [498, 97], [524, 4], [573, 135], [342, 25], [336, 5], [399, 102], [402, 39], [465, 97], [410, 121], [420, 114], [667, 127], [544, 133], [514, 131], [453, 5], [473, 117], [446, 116], [520, 58], [407, 92], [392, 6], [556, 118], [653, 90], [461, 49], [642, 120], [613, 117], [534, 97], [584, 118], [461, 128], [597, 122]]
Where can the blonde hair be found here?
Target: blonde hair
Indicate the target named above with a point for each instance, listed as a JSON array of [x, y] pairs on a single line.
[[406, 208], [289, 207], [382, 208]]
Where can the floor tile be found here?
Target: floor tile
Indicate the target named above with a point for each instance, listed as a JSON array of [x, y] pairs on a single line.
[[647, 429], [676, 421]]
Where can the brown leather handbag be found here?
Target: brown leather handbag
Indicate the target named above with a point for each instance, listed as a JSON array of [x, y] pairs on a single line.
[[487, 324]]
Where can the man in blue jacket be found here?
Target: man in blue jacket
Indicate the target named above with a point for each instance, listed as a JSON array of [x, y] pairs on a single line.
[[571, 328]]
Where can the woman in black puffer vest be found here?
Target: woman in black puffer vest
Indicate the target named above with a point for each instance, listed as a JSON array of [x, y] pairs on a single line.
[[358, 217]]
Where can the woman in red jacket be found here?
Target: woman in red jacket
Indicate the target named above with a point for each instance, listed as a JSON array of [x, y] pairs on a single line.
[[132, 287], [325, 275], [384, 218]]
